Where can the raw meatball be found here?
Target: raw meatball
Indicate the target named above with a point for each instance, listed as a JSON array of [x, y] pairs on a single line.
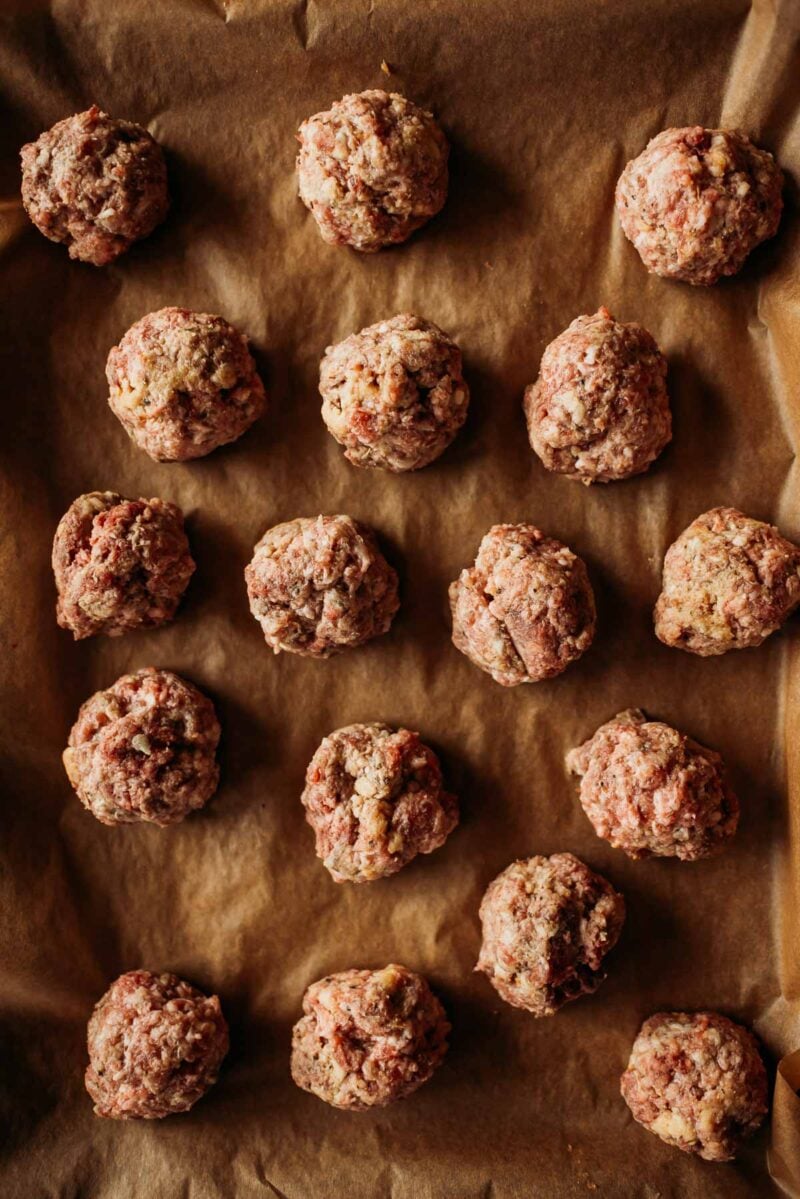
[[320, 585], [183, 383], [697, 1081], [375, 799], [119, 564], [697, 201], [525, 610], [393, 395], [144, 750], [368, 1037], [95, 184], [653, 792], [155, 1047], [547, 925], [728, 582], [372, 169], [599, 410]]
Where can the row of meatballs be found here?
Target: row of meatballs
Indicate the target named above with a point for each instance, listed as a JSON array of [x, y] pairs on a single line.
[[183, 383], [318, 586], [370, 1037], [144, 750], [373, 169]]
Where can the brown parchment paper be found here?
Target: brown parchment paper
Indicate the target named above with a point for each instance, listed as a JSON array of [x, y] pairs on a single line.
[[543, 101]]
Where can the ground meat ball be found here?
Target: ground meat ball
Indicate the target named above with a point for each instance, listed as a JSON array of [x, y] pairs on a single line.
[[697, 201], [95, 184], [155, 1047], [697, 1081], [653, 792], [368, 1037], [728, 582], [547, 925], [372, 169], [144, 750], [183, 383], [599, 410], [393, 395], [525, 610], [375, 799], [119, 564], [320, 585]]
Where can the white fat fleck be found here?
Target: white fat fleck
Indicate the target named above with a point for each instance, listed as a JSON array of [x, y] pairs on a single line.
[[329, 191], [672, 1126], [395, 843], [341, 149], [572, 404], [141, 743]]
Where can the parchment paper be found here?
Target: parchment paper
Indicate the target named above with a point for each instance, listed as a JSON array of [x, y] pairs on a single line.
[[544, 102]]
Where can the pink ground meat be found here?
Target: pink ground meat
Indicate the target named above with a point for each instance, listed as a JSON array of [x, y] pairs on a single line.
[[697, 1080], [547, 925], [525, 610], [156, 1044], [144, 750], [599, 410], [119, 564], [653, 792], [95, 184], [320, 585], [374, 797], [368, 1037], [183, 383], [393, 395], [697, 201], [372, 169], [728, 582]]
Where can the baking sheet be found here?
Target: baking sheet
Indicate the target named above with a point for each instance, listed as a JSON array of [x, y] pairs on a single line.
[[543, 102]]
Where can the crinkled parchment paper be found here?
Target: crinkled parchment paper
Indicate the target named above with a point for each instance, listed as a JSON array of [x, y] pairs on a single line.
[[544, 102]]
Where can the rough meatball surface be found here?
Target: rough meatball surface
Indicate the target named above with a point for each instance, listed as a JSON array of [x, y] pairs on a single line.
[[374, 797], [156, 1044], [95, 184], [144, 750], [119, 564], [599, 410], [368, 1037], [547, 925], [372, 169], [697, 1080], [653, 792], [320, 585], [696, 202], [183, 383], [393, 395], [525, 610], [728, 582]]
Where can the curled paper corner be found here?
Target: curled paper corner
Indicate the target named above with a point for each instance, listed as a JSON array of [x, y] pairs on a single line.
[[784, 1150]]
